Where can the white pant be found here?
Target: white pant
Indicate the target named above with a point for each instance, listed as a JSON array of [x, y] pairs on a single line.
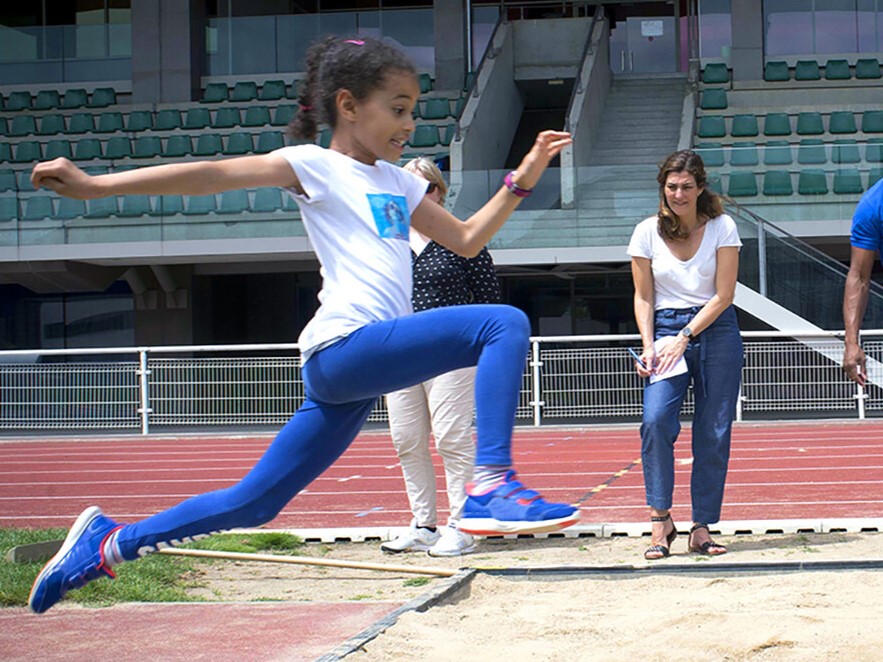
[[445, 407]]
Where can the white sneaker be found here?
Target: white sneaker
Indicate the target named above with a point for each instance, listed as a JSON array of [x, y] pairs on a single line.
[[416, 538], [452, 543]]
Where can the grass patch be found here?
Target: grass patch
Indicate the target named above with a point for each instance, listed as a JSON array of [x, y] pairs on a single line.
[[155, 578], [417, 581]]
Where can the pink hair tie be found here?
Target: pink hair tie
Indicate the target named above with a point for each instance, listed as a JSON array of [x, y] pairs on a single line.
[[306, 108], [357, 42]]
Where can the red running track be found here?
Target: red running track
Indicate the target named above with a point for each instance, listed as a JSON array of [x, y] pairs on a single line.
[[819, 470]]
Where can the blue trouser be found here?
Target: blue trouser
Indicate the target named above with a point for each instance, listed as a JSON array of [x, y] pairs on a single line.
[[343, 382], [714, 360]]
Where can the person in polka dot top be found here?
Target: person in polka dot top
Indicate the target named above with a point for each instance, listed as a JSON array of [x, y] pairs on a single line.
[[443, 406]]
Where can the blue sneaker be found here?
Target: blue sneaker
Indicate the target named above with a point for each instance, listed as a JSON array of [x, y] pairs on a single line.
[[78, 562], [512, 508]]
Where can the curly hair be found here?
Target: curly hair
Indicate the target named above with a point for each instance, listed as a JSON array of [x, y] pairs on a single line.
[[708, 205], [357, 64]]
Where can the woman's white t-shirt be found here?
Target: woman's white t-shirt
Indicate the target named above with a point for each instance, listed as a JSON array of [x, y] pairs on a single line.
[[683, 283], [357, 217]]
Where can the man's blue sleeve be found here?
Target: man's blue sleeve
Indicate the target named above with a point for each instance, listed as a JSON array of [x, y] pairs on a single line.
[[867, 222]]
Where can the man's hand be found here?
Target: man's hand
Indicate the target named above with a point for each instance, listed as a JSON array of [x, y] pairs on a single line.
[[854, 363]]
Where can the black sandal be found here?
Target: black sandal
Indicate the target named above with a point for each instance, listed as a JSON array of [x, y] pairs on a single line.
[[661, 550], [709, 547]]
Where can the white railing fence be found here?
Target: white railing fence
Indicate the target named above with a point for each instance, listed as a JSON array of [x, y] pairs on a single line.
[[579, 379]]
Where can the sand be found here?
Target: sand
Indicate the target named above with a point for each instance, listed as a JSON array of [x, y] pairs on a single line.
[[716, 614]]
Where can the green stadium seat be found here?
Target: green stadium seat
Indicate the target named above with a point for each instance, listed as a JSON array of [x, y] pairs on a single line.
[[118, 147], [458, 107], [812, 181], [147, 147], [256, 116], [244, 91], [845, 151], [38, 207], [20, 100], [809, 123], [28, 151], [272, 90], [289, 204], [712, 126], [743, 154], [109, 122], [744, 126], [52, 124], [98, 169], [425, 135], [197, 118], [75, 98], [58, 148], [715, 72], [848, 181], [283, 115], [713, 98], [208, 144], [239, 143], [268, 141], [468, 80], [425, 82], [777, 182], [777, 124], [234, 202], [267, 200], [87, 149], [226, 118], [169, 205], [5, 151], [867, 68], [450, 132], [178, 145], [200, 204], [168, 119], [139, 120], [22, 125], [874, 175], [4, 126], [811, 151], [215, 93], [776, 71], [712, 154], [807, 70], [69, 208], [436, 109], [777, 152], [874, 150], [872, 121], [7, 180], [8, 208], [842, 121], [47, 99], [837, 70], [135, 205], [24, 182], [742, 184], [294, 90], [102, 97], [81, 123], [103, 208]]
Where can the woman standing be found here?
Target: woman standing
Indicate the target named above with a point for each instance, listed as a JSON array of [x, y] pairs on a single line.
[[685, 261], [445, 405]]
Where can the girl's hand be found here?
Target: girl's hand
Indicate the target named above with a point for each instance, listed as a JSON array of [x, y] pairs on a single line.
[[64, 178], [546, 147]]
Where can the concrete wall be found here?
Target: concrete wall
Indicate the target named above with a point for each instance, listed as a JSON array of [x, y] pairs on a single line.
[[747, 52]]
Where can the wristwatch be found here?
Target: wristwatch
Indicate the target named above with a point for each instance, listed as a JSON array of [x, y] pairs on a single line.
[[687, 332]]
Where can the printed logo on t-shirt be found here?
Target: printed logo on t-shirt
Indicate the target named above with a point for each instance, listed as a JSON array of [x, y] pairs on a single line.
[[390, 215]]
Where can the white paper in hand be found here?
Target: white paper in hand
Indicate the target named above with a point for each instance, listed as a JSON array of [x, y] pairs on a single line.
[[678, 368]]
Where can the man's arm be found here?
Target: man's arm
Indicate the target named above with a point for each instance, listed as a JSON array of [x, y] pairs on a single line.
[[855, 302]]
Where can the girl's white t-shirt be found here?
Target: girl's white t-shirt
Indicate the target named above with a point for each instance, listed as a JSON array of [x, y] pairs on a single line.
[[683, 283], [357, 217]]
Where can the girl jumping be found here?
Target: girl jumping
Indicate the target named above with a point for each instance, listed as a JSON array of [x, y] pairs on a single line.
[[364, 340]]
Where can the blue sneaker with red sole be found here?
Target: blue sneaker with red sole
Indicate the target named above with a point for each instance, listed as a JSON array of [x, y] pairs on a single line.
[[79, 561], [512, 508]]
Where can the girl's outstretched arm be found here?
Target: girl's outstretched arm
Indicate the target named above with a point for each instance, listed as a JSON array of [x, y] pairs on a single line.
[[469, 237], [191, 178]]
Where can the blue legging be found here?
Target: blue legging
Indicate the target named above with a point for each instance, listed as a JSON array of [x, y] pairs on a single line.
[[343, 382]]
